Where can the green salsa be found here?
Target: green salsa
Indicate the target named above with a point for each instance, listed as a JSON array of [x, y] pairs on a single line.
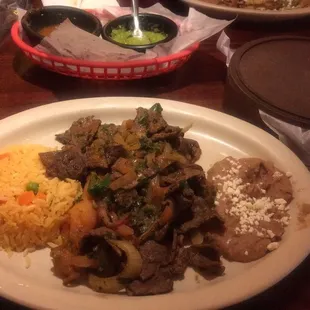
[[124, 36]]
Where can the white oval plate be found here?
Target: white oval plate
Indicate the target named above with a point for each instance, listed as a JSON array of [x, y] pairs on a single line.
[[219, 135], [221, 11]]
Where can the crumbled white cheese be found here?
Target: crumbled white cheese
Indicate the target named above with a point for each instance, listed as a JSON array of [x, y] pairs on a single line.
[[270, 233], [277, 175], [250, 211], [234, 170], [285, 220], [272, 246], [288, 174], [280, 201]]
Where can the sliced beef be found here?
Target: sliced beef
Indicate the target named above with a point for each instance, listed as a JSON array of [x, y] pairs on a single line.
[[142, 117], [193, 196], [147, 173], [184, 173], [81, 133], [69, 266], [67, 163], [62, 266], [103, 155], [113, 153], [157, 277], [156, 122], [149, 270], [109, 259], [140, 154], [158, 284], [126, 198], [193, 170], [123, 165], [153, 251], [169, 133], [176, 243], [203, 188], [201, 212], [95, 155], [178, 267], [126, 181], [115, 175], [102, 212], [152, 121], [153, 255], [189, 148], [205, 258], [161, 233], [180, 263], [183, 200], [178, 258], [106, 132], [178, 178], [168, 261]]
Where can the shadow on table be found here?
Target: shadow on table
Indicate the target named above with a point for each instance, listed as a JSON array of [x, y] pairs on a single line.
[[8, 305], [201, 68]]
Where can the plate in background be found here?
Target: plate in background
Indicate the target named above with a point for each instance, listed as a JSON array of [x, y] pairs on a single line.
[[225, 12]]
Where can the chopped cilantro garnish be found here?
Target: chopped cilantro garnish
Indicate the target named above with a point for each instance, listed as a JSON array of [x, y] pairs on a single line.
[[98, 185], [148, 145], [183, 184], [143, 120], [141, 166], [156, 108]]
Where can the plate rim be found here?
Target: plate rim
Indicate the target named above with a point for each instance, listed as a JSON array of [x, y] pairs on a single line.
[[182, 300], [298, 12]]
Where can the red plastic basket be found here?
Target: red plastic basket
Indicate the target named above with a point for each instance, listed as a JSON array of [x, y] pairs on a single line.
[[103, 70]]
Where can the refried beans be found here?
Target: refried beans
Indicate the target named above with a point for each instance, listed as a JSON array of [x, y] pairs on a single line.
[[252, 199]]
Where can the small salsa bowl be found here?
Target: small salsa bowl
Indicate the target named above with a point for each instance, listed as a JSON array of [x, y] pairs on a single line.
[[148, 22], [35, 20]]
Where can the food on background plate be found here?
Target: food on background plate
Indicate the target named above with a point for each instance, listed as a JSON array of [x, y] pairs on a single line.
[[32, 206], [265, 4], [148, 211], [125, 36]]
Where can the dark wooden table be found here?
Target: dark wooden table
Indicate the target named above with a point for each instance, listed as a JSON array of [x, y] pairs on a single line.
[[201, 82]]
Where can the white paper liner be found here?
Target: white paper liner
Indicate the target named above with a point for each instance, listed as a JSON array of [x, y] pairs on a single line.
[[80, 44]]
